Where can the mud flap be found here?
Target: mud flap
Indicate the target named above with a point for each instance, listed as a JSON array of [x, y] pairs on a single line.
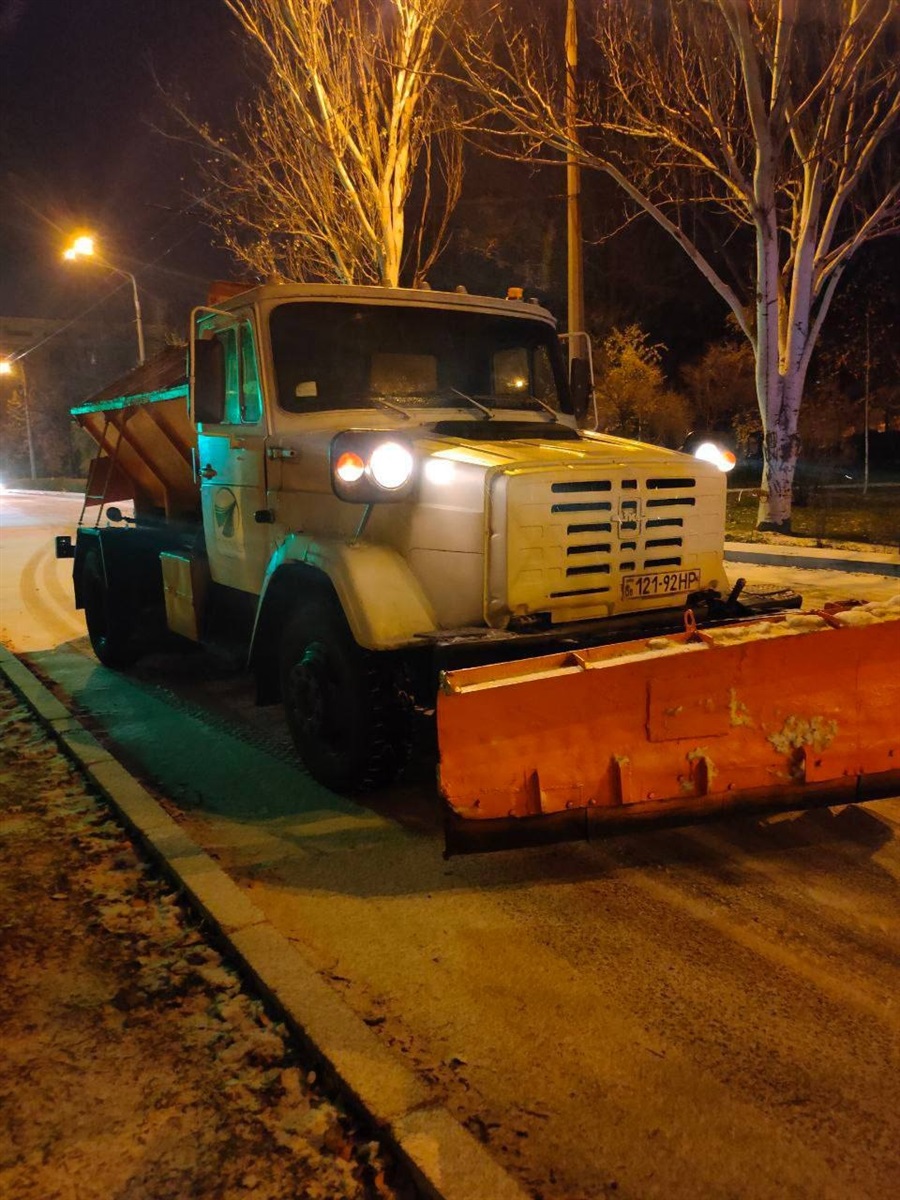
[[757, 716]]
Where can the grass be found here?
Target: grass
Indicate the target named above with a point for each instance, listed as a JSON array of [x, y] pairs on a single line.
[[829, 516]]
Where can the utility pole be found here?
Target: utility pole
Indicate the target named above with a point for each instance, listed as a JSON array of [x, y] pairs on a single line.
[[138, 321], [573, 186]]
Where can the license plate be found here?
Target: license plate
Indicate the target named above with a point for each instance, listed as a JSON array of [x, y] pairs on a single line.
[[658, 583]]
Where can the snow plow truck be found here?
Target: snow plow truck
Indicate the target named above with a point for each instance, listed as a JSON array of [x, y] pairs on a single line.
[[388, 501]]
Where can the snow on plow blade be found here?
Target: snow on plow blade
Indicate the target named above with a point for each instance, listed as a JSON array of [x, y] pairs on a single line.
[[782, 713]]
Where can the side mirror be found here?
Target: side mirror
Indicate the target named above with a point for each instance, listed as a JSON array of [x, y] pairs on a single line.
[[209, 381], [580, 387]]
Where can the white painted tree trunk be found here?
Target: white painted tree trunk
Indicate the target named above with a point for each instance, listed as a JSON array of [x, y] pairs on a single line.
[[781, 447], [780, 379], [779, 346]]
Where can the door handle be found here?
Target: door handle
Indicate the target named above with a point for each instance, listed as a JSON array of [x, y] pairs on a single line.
[[209, 471]]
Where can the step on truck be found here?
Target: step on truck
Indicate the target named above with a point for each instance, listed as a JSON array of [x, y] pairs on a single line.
[[388, 502]]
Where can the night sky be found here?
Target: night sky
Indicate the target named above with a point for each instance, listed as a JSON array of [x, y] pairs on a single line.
[[81, 103], [78, 107]]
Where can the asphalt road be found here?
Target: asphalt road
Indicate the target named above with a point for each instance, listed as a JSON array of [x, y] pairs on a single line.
[[36, 605], [708, 1012]]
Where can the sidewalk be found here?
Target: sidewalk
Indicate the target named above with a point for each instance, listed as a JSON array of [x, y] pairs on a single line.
[[869, 562], [134, 1062]]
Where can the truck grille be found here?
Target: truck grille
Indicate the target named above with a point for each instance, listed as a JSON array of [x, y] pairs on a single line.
[[628, 549], [568, 537]]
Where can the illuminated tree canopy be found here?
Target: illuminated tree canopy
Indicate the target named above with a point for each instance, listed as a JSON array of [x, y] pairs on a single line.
[[348, 132]]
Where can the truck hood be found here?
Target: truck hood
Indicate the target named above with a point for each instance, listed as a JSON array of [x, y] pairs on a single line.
[[501, 443]]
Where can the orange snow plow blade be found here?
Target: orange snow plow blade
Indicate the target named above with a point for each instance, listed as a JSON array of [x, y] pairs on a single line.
[[780, 713]]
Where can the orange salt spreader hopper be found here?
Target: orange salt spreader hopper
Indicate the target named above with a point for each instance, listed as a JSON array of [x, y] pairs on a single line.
[[787, 712]]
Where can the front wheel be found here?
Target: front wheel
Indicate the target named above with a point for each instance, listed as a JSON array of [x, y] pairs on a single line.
[[110, 631], [346, 716]]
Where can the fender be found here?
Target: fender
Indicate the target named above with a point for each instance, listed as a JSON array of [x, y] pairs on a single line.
[[130, 561], [382, 600], [86, 540]]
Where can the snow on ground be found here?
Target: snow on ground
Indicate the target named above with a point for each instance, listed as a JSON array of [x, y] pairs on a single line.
[[819, 586], [132, 1062]]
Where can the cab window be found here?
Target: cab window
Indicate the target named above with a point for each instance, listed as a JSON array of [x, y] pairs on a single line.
[[229, 339], [329, 356], [251, 397], [243, 401], [511, 375]]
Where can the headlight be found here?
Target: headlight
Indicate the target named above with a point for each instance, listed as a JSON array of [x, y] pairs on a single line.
[[369, 467], [349, 467], [391, 465], [711, 453]]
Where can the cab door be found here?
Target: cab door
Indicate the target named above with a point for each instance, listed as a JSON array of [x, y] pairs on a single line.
[[231, 468]]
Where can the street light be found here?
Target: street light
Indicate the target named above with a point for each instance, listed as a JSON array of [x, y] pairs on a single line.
[[83, 247], [6, 368]]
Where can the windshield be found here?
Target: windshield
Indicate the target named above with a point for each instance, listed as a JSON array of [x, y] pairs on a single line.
[[333, 356]]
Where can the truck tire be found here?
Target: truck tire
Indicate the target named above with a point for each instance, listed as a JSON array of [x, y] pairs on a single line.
[[349, 723], [110, 632]]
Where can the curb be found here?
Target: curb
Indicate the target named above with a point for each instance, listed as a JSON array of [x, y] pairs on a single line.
[[445, 1160], [19, 491], [813, 559]]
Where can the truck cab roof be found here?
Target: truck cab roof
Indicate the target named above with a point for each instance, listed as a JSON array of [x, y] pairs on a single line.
[[225, 297]]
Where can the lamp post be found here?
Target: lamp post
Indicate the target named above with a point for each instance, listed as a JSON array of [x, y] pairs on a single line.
[[83, 247], [6, 368]]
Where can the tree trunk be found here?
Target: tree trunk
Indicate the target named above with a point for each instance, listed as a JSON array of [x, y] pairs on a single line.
[[781, 446], [392, 234]]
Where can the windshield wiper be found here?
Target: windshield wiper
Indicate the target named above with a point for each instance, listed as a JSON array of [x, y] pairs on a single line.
[[397, 408], [548, 409], [489, 415]]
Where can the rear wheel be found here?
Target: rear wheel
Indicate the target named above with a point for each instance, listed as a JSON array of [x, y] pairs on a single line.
[[111, 632], [348, 721]]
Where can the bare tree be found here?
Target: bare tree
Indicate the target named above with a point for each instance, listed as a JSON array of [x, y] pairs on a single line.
[[347, 134], [759, 134]]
